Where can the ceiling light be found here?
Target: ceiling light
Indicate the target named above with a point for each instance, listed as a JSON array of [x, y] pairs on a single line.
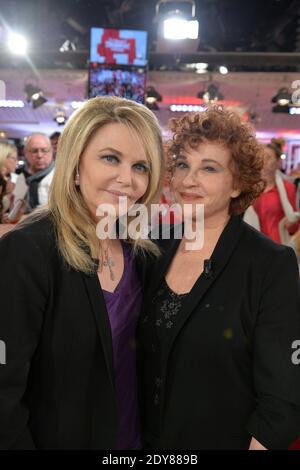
[[152, 97], [223, 70], [60, 117], [283, 97], [211, 94], [17, 44], [34, 95]]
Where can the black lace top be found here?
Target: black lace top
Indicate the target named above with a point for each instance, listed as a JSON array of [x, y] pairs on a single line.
[[167, 305]]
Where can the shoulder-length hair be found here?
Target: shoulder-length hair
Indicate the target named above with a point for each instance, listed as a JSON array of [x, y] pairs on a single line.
[[220, 125], [75, 228]]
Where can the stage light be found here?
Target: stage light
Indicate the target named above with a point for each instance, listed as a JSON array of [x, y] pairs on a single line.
[[17, 44], [152, 97], [34, 95], [223, 70], [178, 19], [60, 117], [11, 104], [283, 97], [179, 28], [211, 94]]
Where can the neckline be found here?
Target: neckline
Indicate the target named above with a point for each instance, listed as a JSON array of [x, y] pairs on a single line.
[[173, 292]]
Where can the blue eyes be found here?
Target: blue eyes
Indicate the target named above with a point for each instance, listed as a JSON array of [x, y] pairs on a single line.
[[140, 167], [210, 169], [207, 168], [181, 165], [110, 158], [113, 159]]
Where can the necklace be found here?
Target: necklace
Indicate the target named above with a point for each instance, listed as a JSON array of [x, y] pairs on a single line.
[[108, 263]]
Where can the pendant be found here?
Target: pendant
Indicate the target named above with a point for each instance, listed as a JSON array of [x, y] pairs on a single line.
[[109, 263]]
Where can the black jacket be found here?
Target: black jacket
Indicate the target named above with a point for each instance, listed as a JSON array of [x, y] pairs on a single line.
[[225, 373], [57, 386]]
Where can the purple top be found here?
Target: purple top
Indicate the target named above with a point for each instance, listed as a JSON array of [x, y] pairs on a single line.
[[123, 307]]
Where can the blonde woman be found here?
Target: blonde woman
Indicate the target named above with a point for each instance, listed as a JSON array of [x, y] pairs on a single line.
[[69, 381], [8, 164]]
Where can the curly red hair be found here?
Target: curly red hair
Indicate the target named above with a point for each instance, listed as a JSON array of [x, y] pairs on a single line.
[[220, 125]]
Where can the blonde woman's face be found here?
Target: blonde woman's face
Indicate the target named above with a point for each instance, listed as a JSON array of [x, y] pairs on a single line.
[[11, 162], [203, 176], [113, 167]]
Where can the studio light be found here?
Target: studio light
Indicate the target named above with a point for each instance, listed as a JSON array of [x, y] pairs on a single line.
[[60, 117], [68, 46], [152, 97], [34, 95], [186, 108], [11, 104], [283, 97], [17, 44], [179, 28], [178, 19], [223, 70], [211, 94]]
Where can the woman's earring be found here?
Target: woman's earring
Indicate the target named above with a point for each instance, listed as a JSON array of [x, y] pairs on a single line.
[[77, 182]]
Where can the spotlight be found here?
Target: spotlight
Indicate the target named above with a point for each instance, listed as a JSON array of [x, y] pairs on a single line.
[[68, 46], [34, 95], [211, 94], [152, 97], [60, 117], [223, 70], [178, 19], [179, 28], [201, 67], [11, 104], [17, 44], [283, 97]]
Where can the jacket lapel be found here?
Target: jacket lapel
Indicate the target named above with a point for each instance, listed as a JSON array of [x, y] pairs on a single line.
[[220, 257], [168, 249], [98, 305]]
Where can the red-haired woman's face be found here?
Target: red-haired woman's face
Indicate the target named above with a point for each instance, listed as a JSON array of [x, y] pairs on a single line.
[[203, 176]]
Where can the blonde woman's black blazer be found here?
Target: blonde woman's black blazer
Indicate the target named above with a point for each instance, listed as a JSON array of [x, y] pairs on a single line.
[[57, 387]]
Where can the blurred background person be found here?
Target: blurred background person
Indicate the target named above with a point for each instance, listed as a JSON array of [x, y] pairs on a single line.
[[8, 164], [274, 212], [33, 183], [54, 138]]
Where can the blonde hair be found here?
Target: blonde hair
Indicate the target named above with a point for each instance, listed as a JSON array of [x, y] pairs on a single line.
[[75, 228], [5, 150]]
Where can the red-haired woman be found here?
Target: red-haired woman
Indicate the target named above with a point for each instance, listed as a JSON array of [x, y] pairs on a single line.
[[220, 323]]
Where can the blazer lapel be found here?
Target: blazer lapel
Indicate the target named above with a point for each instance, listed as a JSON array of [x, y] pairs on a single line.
[[220, 257], [101, 318], [168, 248]]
